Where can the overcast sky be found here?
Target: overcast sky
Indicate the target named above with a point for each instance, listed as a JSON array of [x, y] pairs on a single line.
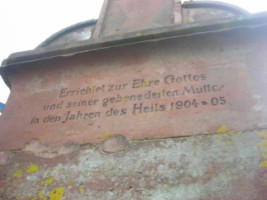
[[26, 23]]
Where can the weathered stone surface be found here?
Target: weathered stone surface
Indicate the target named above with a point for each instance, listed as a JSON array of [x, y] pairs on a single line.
[[115, 144], [41, 150], [230, 165], [122, 16], [168, 88], [110, 123], [3, 158]]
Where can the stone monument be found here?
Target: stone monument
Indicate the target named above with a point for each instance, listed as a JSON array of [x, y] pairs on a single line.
[[164, 100]]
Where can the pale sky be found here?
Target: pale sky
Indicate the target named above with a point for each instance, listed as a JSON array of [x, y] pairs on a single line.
[[27, 23]]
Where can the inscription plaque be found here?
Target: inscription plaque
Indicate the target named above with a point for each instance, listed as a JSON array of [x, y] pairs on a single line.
[[165, 89]]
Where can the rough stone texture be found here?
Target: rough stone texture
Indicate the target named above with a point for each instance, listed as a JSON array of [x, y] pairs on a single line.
[[38, 149], [78, 34], [201, 15], [122, 16], [212, 146], [45, 95], [3, 158], [229, 165], [115, 144]]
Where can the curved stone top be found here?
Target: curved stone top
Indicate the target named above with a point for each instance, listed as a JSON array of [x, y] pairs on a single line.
[[82, 37], [77, 32], [216, 5], [212, 11]]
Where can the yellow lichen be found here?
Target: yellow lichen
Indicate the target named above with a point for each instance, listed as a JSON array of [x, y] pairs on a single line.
[[239, 134], [124, 99], [145, 83], [229, 134], [263, 164], [33, 168], [82, 190], [190, 18], [17, 173], [105, 136], [57, 194], [263, 134], [221, 130], [49, 180], [218, 138], [196, 140], [41, 195]]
